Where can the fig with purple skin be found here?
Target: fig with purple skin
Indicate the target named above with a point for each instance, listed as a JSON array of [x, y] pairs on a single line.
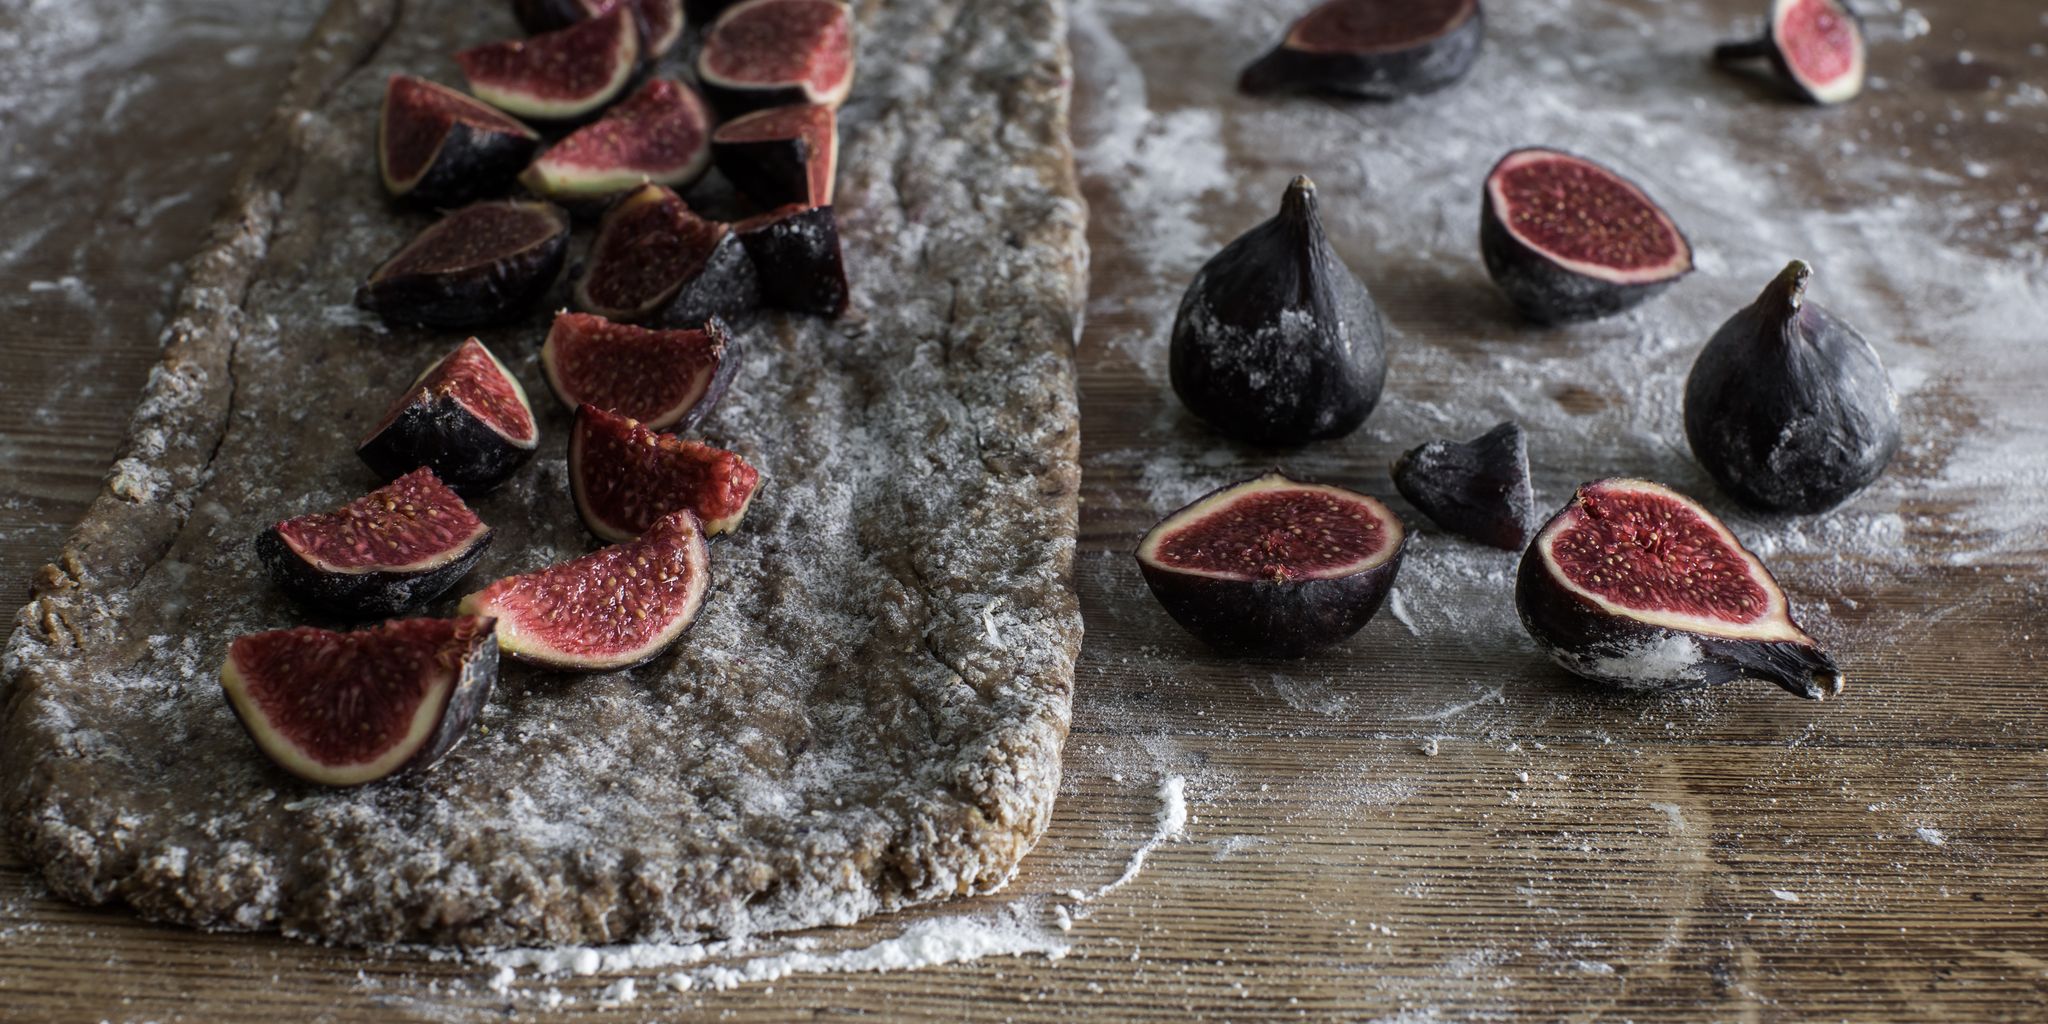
[[441, 148], [1567, 239], [656, 261], [665, 379], [400, 545], [771, 53], [1814, 45], [625, 477], [1372, 49], [344, 709], [613, 608], [662, 134], [781, 155], [795, 252], [1273, 567], [1478, 490], [1636, 586], [661, 21], [557, 77], [466, 418], [487, 263]]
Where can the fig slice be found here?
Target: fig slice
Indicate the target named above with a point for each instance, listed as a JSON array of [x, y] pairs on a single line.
[[656, 261], [1273, 567], [665, 379], [661, 21], [1815, 45], [625, 477], [1639, 587], [1567, 239], [487, 263], [466, 418], [795, 252], [344, 709], [770, 53], [1372, 49], [400, 545], [562, 76], [661, 134], [1478, 490], [613, 608], [1787, 406], [439, 147], [780, 155]]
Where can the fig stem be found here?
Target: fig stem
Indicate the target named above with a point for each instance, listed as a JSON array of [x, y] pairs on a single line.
[[1788, 290], [1744, 49], [1300, 201]]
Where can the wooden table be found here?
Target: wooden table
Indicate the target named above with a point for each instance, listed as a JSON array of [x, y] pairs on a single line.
[[1430, 823]]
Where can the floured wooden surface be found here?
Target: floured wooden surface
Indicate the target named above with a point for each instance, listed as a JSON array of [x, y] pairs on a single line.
[[870, 710]]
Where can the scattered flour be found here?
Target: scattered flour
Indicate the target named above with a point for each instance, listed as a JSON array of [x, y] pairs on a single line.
[[1931, 836]]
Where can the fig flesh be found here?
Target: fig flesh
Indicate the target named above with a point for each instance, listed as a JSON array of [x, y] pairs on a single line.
[[1567, 239], [344, 709], [1816, 46], [1273, 567], [1787, 406], [781, 155], [795, 252], [613, 608], [487, 263], [562, 76], [439, 147], [1637, 586], [656, 261], [466, 418], [1372, 49], [625, 477], [665, 379], [400, 545], [1276, 341], [771, 53], [661, 21], [1478, 490], [661, 134]]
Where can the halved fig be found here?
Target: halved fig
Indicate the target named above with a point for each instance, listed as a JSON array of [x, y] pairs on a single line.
[[1568, 239], [343, 709], [1815, 45], [613, 608], [1637, 586], [1477, 490], [770, 53], [395, 547], [1375, 49], [487, 263], [565, 75], [466, 418], [660, 134], [661, 21], [781, 155], [795, 252], [656, 261], [437, 146], [625, 477], [664, 379], [1273, 567]]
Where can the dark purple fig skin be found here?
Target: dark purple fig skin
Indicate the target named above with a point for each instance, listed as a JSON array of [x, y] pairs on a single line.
[[364, 595], [494, 292], [537, 16], [1733, 54], [471, 163], [795, 253], [771, 172], [721, 378], [1387, 75], [704, 12], [728, 287], [469, 455], [1478, 490], [1788, 407], [1542, 290]]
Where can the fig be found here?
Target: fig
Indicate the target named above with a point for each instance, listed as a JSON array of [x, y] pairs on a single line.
[[1567, 239], [661, 21], [1814, 45], [795, 252], [400, 545], [439, 147], [1276, 341], [656, 261], [664, 379], [613, 608], [487, 263], [1478, 490], [1372, 49], [343, 709], [1636, 586], [1787, 406], [1273, 567], [781, 155], [661, 134], [625, 477], [465, 418], [562, 76], [770, 53]]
